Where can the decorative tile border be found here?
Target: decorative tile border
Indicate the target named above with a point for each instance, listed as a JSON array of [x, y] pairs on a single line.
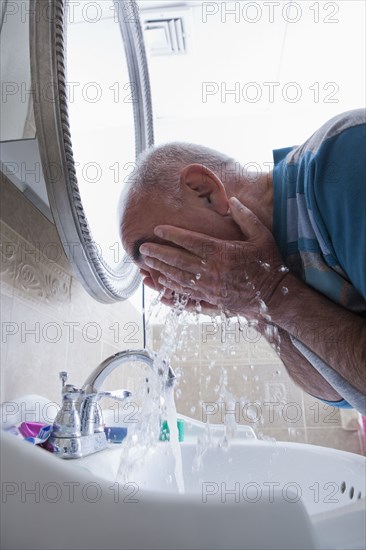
[[30, 274]]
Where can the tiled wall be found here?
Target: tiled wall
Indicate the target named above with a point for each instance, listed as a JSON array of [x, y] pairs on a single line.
[[49, 322]]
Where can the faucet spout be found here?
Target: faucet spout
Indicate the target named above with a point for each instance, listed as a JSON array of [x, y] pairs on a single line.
[[99, 375]]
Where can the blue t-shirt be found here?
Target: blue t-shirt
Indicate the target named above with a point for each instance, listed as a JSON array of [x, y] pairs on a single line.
[[320, 210]]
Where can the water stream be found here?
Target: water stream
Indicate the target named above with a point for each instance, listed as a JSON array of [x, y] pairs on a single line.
[[174, 439], [159, 405]]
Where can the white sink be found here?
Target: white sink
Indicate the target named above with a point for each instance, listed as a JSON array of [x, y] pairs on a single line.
[[251, 495]]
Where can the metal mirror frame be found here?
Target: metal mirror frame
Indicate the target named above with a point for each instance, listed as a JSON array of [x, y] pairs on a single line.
[[48, 42]]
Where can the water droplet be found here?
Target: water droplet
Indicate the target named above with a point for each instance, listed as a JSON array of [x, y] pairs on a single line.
[[283, 269], [158, 298], [262, 306], [265, 265], [198, 307], [252, 415], [223, 443], [198, 276], [192, 282], [284, 290], [203, 262]]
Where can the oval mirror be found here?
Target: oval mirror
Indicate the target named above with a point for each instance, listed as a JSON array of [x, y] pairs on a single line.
[[93, 117]]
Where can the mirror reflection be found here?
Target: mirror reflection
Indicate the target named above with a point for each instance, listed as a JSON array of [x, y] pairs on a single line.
[[101, 99], [16, 106]]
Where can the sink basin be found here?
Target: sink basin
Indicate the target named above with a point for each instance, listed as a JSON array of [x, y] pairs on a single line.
[[250, 494]]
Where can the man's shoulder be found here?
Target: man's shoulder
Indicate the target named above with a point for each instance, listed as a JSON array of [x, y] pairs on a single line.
[[330, 129]]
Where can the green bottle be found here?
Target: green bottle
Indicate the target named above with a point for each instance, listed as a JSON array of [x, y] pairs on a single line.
[[165, 432]]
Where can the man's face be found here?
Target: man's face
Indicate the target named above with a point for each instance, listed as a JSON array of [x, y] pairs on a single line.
[[196, 214]]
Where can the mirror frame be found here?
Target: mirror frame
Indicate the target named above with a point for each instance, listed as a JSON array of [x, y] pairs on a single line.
[[48, 36]]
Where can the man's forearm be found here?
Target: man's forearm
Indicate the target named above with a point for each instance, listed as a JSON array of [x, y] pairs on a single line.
[[335, 334], [302, 372]]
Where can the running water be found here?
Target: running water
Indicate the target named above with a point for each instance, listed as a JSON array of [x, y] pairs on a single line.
[[174, 438], [159, 405], [169, 343]]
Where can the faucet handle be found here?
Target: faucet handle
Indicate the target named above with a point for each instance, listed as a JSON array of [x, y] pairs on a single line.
[[91, 413], [118, 395], [67, 422]]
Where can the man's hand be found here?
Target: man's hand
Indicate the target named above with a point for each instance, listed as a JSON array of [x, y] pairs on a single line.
[[235, 276]]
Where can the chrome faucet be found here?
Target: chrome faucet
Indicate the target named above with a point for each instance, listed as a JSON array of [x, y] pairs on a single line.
[[78, 429]]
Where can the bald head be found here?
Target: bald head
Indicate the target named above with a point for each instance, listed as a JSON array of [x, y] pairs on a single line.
[[158, 171]]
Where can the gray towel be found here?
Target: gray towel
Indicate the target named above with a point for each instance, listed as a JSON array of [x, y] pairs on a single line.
[[354, 397]]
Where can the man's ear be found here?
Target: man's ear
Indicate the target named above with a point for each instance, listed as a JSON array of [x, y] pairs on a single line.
[[202, 181]]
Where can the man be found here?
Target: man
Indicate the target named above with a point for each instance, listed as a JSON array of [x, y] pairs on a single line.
[[287, 249]]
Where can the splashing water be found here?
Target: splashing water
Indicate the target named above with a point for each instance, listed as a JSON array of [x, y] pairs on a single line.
[[174, 438], [198, 309], [203, 444], [158, 405], [169, 344]]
